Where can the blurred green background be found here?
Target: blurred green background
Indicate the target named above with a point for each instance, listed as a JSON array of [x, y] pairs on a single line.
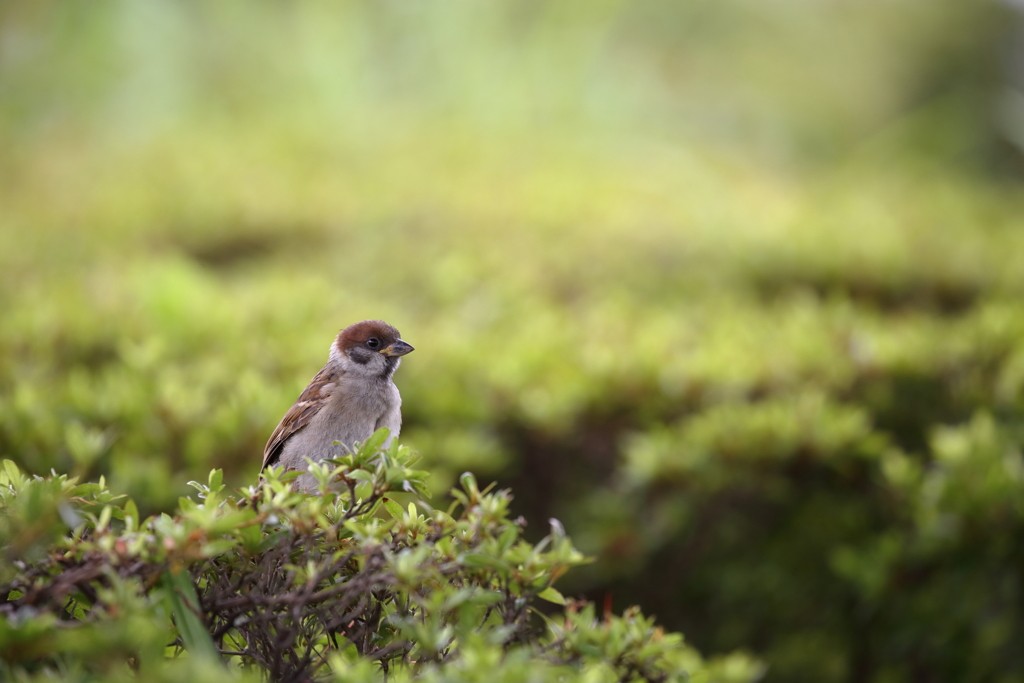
[[733, 288]]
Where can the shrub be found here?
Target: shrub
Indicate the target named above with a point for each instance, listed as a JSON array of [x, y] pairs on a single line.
[[348, 584]]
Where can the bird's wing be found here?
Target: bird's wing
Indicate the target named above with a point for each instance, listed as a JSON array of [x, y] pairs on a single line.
[[309, 403]]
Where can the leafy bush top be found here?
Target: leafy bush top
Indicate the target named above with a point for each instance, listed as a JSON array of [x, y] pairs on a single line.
[[348, 582]]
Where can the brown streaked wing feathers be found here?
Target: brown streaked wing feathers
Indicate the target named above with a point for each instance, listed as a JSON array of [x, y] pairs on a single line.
[[299, 415]]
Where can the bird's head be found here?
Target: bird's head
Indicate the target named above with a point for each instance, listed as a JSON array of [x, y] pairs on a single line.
[[370, 348]]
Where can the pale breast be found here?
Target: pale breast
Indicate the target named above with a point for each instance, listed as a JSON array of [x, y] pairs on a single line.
[[354, 411]]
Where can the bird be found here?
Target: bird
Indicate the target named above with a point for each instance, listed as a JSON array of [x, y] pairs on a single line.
[[348, 400]]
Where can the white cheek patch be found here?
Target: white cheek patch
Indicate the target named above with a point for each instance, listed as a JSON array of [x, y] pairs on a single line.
[[374, 366], [335, 355]]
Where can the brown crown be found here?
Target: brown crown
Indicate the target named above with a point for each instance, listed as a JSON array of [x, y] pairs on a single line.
[[358, 333]]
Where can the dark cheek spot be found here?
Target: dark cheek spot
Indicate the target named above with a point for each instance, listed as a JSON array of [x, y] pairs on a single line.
[[360, 355]]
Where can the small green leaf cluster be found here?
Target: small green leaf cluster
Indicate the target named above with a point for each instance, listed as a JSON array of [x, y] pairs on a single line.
[[360, 581]]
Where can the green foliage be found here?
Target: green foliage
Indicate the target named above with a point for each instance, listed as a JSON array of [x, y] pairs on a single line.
[[731, 287], [300, 585]]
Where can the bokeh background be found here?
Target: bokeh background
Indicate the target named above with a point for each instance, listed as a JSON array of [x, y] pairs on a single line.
[[733, 288]]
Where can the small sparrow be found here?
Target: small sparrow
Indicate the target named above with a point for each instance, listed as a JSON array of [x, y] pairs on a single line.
[[347, 401]]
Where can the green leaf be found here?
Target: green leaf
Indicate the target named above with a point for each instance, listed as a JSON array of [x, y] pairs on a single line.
[[364, 490], [185, 608], [393, 508], [468, 482], [251, 537], [508, 537], [219, 547], [376, 440], [131, 511], [419, 488], [216, 480], [105, 516], [552, 595], [13, 473], [230, 521], [480, 561]]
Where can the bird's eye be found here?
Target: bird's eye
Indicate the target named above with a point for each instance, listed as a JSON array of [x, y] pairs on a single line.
[[373, 342]]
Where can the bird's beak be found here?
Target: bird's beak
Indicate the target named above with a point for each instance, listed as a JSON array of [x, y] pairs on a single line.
[[399, 348]]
